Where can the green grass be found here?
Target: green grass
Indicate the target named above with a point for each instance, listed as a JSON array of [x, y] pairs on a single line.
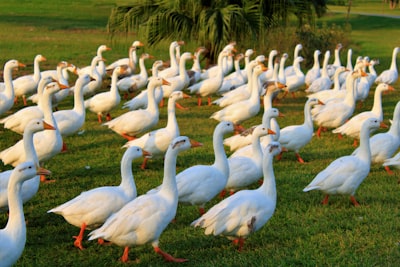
[[301, 232]]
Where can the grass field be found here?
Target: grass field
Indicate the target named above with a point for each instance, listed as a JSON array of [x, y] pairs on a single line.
[[301, 232]]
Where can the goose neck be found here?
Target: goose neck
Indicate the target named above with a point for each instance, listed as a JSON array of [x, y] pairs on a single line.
[[221, 161], [393, 65], [36, 70], [268, 186], [127, 179], [364, 148], [9, 88]]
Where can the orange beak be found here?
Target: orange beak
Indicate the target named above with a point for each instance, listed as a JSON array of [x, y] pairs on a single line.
[[194, 143], [47, 126]]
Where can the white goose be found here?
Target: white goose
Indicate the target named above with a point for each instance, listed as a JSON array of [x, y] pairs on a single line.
[[244, 171], [295, 137], [345, 174], [143, 219], [92, 87], [296, 81], [102, 103], [195, 72], [349, 66], [234, 79], [69, 121], [323, 82], [336, 63], [246, 211], [156, 142], [240, 93], [352, 127], [384, 145], [140, 101], [315, 72], [365, 83], [209, 86], [29, 188], [335, 92], [47, 143], [290, 70], [335, 113], [391, 75], [7, 95], [214, 70], [130, 61], [13, 236], [173, 70], [101, 66], [245, 109], [266, 76], [135, 82], [27, 84], [181, 81], [91, 208], [134, 122], [17, 121]]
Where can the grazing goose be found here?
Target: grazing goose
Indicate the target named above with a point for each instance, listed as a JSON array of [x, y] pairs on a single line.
[[143, 220], [390, 75], [246, 211]]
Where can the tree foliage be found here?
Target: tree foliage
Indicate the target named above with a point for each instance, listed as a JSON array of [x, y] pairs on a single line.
[[212, 23]]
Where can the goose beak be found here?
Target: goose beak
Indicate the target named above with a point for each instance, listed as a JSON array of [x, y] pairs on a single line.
[[391, 88], [62, 86], [194, 143], [186, 95], [383, 125], [47, 126], [281, 115], [165, 82], [146, 154], [320, 102], [21, 65], [271, 132], [108, 48], [42, 171]]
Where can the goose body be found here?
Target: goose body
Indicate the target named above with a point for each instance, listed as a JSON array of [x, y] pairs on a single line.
[[295, 137], [244, 171], [134, 122], [235, 79], [103, 103], [173, 70], [91, 208], [140, 101], [390, 75], [181, 81], [47, 143], [93, 86], [295, 81], [352, 127], [17, 121], [289, 70], [143, 219], [243, 110], [345, 174], [13, 236], [135, 82], [30, 187], [27, 84], [246, 211], [384, 145], [130, 61], [195, 72], [315, 72], [69, 121], [156, 142], [7, 94], [324, 82], [101, 66]]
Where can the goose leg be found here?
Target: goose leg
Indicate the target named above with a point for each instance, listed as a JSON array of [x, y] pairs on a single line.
[[108, 117], [325, 200], [125, 255], [209, 101], [167, 256], [99, 118], [78, 239], [143, 166], [128, 137], [180, 106], [199, 101], [299, 159], [388, 170], [239, 241], [354, 201]]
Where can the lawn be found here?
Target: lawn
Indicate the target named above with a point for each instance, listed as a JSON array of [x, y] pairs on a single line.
[[301, 232]]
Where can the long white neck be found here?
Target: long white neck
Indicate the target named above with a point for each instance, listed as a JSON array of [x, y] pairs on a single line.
[[271, 60], [316, 64], [196, 62], [7, 76], [182, 69], [377, 106], [395, 127], [36, 70], [308, 116], [268, 186], [393, 65], [47, 109], [349, 65], [16, 221], [281, 73], [79, 104], [169, 181], [336, 81], [30, 152], [172, 123], [349, 99], [132, 59], [151, 100], [324, 72], [297, 68], [172, 57], [127, 181], [256, 148], [221, 161], [364, 148], [337, 58], [101, 66], [142, 66]]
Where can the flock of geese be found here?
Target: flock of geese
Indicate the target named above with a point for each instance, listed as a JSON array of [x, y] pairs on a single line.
[[116, 213]]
